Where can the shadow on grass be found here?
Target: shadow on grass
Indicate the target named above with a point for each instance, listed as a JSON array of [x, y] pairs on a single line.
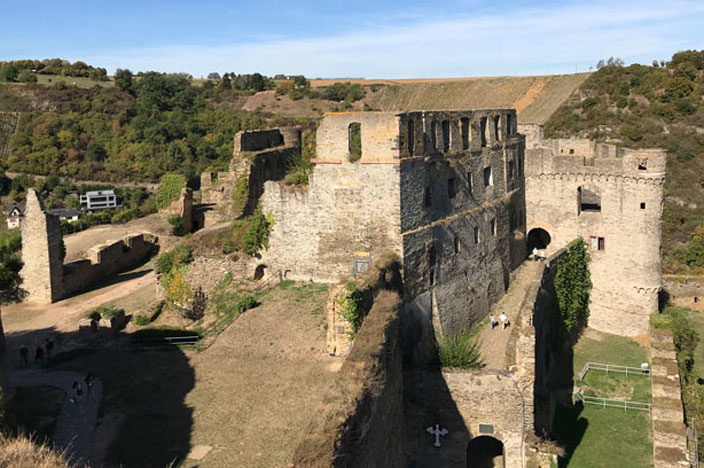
[[143, 392], [568, 430]]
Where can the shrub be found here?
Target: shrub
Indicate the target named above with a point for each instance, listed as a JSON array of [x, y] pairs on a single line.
[[241, 192], [141, 320], [459, 351], [228, 246], [103, 311], [177, 224], [350, 306], [257, 234], [169, 189], [165, 262], [245, 303], [27, 76], [197, 309], [344, 92]]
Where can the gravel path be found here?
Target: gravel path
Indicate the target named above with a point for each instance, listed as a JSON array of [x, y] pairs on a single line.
[[76, 422], [494, 342]]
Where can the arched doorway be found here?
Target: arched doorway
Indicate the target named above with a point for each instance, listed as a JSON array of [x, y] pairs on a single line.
[[538, 238], [259, 272], [485, 452]]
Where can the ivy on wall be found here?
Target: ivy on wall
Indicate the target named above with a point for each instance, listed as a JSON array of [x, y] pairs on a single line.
[[350, 306], [572, 287], [169, 189]]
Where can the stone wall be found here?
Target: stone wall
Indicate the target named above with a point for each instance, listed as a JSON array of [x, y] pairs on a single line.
[[360, 423], [258, 156], [184, 208], [44, 276], [104, 261], [424, 182], [625, 269]]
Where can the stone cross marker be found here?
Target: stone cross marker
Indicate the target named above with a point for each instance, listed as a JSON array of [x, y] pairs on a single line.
[[437, 432]]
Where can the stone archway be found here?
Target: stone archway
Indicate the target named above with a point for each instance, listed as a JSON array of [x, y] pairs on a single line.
[[538, 238], [259, 272], [485, 452]]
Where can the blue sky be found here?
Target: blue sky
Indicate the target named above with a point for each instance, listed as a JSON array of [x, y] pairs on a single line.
[[359, 38]]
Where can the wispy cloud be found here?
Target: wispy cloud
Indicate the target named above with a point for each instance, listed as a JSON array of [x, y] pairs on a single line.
[[547, 39]]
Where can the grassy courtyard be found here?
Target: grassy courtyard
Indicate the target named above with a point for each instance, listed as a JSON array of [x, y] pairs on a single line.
[[606, 437]]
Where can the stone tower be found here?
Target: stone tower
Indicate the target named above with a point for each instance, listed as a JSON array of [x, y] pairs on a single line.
[[42, 273], [612, 197]]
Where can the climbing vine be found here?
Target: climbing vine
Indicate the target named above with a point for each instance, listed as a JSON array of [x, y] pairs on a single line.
[[572, 287], [350, 306]]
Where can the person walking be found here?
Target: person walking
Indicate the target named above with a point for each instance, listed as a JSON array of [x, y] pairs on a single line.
[[90, 381], [77, 392], [492, 321], [24, 353], [49, 346], [39, 355], [503, 319]]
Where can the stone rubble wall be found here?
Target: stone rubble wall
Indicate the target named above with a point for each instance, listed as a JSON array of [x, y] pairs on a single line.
[[361, 422], [184, 208], [626, 274]]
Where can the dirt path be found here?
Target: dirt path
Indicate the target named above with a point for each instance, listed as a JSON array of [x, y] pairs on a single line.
[[76, 422], [494, 342]]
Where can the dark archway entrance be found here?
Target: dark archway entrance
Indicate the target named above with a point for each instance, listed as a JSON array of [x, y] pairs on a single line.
[[538, 238], [259, 272], [485, 452]]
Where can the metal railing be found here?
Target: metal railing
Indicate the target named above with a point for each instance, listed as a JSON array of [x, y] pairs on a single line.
[[611, 403], [167, 341], [612, 368]]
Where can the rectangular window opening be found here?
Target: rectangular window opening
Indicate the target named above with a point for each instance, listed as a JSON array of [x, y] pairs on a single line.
[[642, 206], [457, 244], [434, 136], [355, 141], [445, 136], [427, 197], [493, 227], [488, 177], [411, 137], [476, 235], [596, 243], [509, 123], [451, 188], [497, 131], [464, 124], [469, 182], [589, 200], [510, 170], [482, 131]]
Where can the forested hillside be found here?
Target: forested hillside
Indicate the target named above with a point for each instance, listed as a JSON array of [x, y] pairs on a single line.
[[138, 130], [652, 106]]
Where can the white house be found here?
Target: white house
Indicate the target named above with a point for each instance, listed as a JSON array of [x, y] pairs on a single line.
[[67, 214], [14, 216], [99, 200]]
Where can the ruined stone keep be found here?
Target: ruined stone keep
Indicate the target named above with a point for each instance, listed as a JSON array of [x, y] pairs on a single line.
[[443, 190], [613, 198]]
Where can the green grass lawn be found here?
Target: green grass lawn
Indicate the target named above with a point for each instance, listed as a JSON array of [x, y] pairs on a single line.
[[595, 437], [607, 437]]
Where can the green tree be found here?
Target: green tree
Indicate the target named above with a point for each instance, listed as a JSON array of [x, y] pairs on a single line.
[[27, 76], [169, 189], [123, 79], [8, 73], [300, 81], [225, 83]]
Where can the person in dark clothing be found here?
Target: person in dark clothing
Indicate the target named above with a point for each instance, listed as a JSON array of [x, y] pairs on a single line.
[[24, 353], [49, 346], [90, 381], [39, 355]]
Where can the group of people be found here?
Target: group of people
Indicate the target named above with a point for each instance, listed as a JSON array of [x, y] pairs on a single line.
[[42, 352], [505, 322], [77, 389]]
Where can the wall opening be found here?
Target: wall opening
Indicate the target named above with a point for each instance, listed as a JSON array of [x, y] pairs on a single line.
[[538, 238], [485, 452], [488, 177], [456, 242], [476, 234], [464, 125], [411, 137], [642, 164], [509, 124], [589, 200], [445, 136], [434, 136], [427, 197], [497, 130], [597, 243], [259, 272], [355, 141], [510, 170], [492, 225], [482, 130], [451, 188], [469, 183], [642, 205]]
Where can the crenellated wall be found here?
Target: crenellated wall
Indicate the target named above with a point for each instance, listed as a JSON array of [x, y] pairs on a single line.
[[624, 233]]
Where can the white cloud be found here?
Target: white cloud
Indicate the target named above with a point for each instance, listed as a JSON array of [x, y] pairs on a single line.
[[530, 40]]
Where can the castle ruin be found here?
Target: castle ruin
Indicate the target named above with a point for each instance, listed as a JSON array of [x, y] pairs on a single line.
[[613, 198], [46, 278]]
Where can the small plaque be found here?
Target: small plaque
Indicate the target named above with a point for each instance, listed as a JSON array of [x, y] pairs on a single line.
[[486, 428]]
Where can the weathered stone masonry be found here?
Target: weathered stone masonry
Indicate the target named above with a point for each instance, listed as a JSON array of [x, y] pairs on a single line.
[[44, 276], [619, 215], [410, 193]]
